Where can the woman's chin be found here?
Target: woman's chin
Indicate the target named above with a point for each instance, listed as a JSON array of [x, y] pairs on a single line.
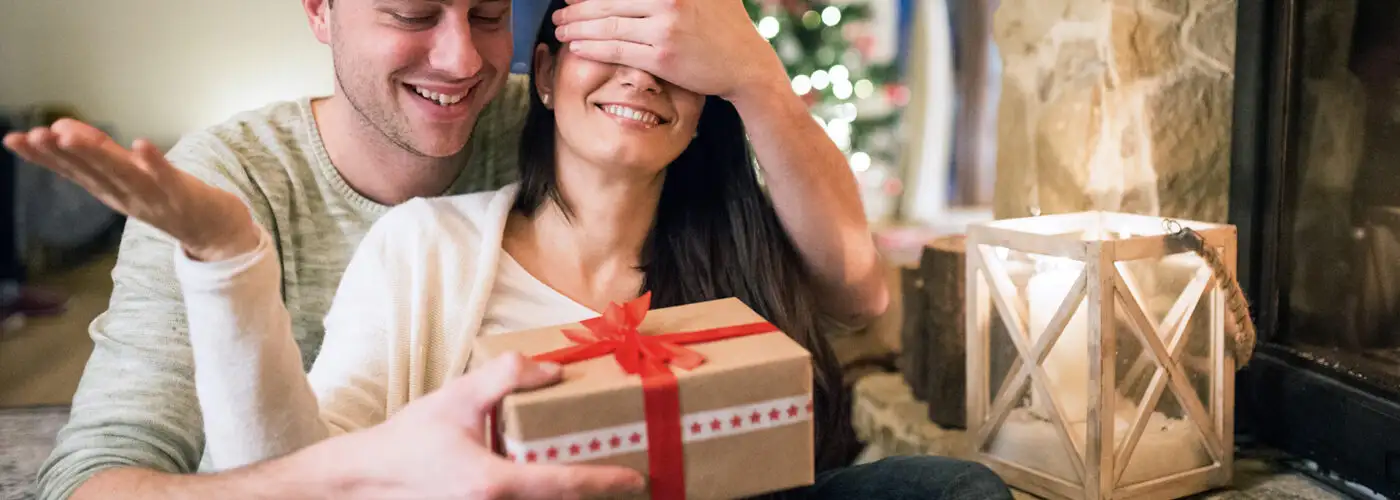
[[623, 157], [620, 155]]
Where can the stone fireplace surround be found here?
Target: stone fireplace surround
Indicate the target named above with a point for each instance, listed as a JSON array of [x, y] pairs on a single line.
[[1198, 109]]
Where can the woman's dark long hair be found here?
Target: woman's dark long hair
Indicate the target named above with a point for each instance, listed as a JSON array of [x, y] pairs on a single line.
[[716, 235]]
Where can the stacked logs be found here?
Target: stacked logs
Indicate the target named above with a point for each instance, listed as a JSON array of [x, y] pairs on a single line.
[[934, 357]]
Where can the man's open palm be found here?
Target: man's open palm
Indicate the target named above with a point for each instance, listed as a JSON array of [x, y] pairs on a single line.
[[211, 223]]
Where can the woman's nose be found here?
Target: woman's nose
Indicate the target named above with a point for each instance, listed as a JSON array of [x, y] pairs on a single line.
[[638, 80]]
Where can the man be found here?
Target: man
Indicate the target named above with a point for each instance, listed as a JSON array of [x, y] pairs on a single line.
[[423, 106]]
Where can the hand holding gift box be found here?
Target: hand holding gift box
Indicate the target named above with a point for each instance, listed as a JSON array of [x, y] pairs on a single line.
[[708, 399]]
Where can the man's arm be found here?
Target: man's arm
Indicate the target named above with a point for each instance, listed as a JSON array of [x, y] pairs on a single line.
[[711, 47], [431, 449], [135, 418], [306, 475], [135, 405], [814, 192]]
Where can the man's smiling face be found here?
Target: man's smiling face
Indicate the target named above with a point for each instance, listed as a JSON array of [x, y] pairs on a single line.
[[420, 71]]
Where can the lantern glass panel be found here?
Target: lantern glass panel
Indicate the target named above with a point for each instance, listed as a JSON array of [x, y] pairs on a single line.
[[1028, 289], [1174, 294]]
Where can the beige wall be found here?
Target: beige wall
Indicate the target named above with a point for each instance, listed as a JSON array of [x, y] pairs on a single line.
[[158, 68]]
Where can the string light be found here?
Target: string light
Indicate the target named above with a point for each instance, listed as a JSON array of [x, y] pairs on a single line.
[[768, 27], [801, 84], [839, 72], [834, 90], [840, 132], [864, 89], [831, 15], [860, 161], [841, 89], [847, 111]]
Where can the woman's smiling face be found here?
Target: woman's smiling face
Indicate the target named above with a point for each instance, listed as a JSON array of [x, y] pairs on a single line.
[[616, 116]]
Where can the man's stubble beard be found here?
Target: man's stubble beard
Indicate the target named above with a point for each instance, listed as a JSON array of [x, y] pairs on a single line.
[[373, 118]]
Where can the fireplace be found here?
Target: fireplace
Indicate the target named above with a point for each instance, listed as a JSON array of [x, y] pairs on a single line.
[[1315, 192]]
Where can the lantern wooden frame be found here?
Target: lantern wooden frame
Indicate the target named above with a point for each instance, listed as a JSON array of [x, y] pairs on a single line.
[[1101, 286]]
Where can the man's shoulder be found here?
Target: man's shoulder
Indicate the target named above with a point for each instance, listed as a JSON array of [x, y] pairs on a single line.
[[504, 117], [278, 136]]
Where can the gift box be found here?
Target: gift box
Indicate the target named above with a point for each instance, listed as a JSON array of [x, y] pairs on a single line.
[[708, 400]]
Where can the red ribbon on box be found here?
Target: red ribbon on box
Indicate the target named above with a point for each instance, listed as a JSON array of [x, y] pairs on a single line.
[[650, 356]]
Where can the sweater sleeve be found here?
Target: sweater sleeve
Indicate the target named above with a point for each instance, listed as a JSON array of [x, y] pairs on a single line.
[[256, 400], [135, 405]]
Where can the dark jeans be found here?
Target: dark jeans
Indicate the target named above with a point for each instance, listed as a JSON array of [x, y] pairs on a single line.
[[909, 477]]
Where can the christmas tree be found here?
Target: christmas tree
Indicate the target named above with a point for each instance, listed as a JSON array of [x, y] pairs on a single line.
[[826, 48]]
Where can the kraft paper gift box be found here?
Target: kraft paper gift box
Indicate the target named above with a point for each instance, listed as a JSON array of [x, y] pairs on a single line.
[[707, 400]]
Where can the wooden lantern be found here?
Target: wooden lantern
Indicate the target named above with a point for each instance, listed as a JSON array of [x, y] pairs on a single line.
[[1097, 356]]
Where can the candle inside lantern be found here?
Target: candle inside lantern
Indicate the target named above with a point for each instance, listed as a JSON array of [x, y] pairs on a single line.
[[1067, 365]]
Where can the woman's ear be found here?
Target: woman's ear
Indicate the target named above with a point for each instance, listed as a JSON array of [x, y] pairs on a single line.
[[545, 62]]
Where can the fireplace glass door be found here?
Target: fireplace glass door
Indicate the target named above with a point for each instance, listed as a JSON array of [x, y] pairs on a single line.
[[1343, 263], [1315, 192]]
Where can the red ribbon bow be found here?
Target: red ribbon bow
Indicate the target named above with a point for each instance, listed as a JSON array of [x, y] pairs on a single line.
[[650, 356]]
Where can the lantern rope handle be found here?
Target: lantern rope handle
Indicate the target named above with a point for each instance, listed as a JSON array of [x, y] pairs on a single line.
[[1244, 336]]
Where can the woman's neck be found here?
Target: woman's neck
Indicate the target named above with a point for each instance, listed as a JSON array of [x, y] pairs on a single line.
[[593, 255]]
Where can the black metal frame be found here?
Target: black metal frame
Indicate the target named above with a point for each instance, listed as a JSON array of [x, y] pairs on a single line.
[[1286, 400]]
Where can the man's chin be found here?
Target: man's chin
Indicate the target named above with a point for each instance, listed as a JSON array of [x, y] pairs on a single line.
[[440, 149], [436, 141]]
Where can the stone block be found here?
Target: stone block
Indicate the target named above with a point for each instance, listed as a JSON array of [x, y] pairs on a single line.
[[888, 418], [1120, 105], [1178, 7], [1190, 131], [1144, 46], [1213, 34]]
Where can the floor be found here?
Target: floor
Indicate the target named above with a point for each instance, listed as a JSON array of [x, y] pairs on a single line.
[[42, 360], [29, 435], [893, 422]]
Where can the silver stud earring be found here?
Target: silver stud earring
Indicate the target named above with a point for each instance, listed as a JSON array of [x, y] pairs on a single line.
[[545, 98]]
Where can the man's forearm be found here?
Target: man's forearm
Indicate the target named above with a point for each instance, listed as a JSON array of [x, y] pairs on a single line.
[[305, 475], [815, 195]]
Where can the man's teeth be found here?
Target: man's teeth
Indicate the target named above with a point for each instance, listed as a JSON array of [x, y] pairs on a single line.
[[632, 114], [441, 99]]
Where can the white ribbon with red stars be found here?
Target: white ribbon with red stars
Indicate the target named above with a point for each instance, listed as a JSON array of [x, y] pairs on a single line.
[[632, 438]]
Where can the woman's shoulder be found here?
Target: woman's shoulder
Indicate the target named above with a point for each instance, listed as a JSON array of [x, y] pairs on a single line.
[[459, 220]]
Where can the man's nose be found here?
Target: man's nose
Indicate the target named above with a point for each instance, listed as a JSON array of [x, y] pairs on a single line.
[[454, 52], [638, 80]]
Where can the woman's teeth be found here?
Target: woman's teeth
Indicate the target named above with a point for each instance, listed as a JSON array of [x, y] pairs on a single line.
[[441, 99], [632, 114]]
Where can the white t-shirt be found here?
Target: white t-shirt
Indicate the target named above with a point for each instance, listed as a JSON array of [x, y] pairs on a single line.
[[428, 278]]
